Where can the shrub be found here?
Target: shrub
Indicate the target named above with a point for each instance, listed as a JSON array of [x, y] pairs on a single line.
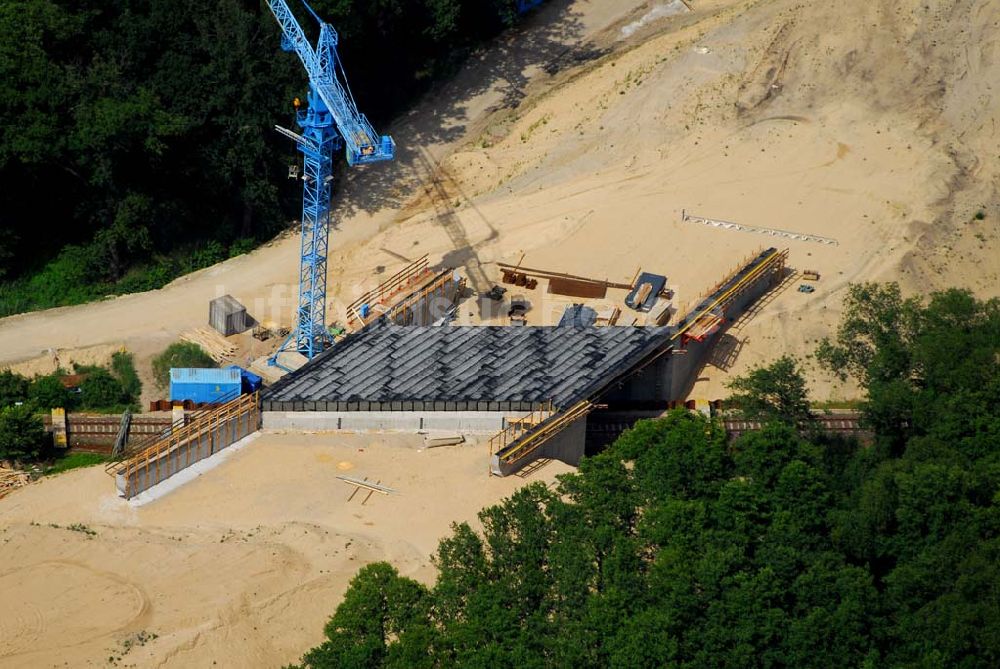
[[22, 433], [211, 253], [48, 392], [13, 388], [100, 390], [72, 277], [241, 246], [179, 354], [123, 367]]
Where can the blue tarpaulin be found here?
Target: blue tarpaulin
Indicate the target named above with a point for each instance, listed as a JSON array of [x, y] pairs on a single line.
[[657, 283], [250, 381]]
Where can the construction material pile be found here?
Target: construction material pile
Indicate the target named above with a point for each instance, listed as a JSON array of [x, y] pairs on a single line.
[[217, 346], [11, 479]]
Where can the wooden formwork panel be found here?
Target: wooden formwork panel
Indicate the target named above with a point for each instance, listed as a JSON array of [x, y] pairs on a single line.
[[194, 442], [577, 288]]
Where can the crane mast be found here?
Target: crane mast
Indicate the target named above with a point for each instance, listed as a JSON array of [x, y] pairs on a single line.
[[331, 120]]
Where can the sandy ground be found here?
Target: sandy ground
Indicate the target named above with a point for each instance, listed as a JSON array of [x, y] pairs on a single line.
[[241, 566], [579, 140]]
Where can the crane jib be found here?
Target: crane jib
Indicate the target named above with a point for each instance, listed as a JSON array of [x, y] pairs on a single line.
[[361, 141]]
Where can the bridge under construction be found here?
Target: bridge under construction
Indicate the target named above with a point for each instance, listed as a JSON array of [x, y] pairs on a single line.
[[529, 390]]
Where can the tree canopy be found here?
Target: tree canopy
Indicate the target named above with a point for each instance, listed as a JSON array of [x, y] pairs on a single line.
[[785, 548], [113, 388], [136, 137], [22, 434], [776, 392]]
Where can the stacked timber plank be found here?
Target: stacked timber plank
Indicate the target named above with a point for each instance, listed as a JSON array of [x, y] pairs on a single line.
[[10, 480], [218, 347]]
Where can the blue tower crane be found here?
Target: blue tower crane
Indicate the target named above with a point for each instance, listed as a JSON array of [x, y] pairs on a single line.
[[331, 120]]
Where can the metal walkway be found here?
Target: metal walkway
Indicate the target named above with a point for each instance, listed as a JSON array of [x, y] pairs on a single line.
[[705, 318]]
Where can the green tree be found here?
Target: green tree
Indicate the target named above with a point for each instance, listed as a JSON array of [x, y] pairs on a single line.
[[101, 390], [179, 354], [873, 336], [379, 607], [13, 388], [153, 117], [784, 548], [22, 434], [680, 456], [926, 369], [776, 392], [48, 392], [762, 455]]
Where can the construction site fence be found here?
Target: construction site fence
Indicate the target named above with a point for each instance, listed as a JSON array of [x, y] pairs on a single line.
[[201, 437]]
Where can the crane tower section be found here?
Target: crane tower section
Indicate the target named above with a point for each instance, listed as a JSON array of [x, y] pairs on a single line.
[[331, 120]]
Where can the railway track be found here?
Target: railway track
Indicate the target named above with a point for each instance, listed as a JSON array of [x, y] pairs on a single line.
[[607, 429]]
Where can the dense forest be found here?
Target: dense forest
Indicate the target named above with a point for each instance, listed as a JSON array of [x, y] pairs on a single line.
[[785, 548], [136, 136]]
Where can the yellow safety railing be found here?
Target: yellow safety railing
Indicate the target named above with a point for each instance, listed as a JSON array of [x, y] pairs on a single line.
[[538, 434], [405, 278], [219, 421], [763, 266], [517, 427]]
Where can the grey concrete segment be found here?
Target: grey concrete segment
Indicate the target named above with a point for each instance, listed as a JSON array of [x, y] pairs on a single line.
[[387, 365], [469, 422], [568, 445]]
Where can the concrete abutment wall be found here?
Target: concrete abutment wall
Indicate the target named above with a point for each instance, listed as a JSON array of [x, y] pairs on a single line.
[[141, 474], [477, 422]]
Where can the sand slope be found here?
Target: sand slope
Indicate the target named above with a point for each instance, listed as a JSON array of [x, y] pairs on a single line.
[[367, 200], [241, 566], [580, 139]]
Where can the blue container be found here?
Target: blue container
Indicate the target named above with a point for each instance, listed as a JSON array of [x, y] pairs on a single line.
[[251, 382], [205, 385]]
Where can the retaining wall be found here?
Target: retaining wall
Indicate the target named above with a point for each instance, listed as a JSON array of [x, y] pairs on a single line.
[[139, 473]]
